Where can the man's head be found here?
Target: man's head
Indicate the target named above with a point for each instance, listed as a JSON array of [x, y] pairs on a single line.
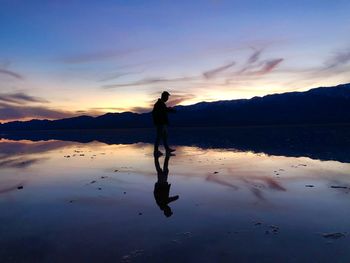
[[165, 96], [167, 211]]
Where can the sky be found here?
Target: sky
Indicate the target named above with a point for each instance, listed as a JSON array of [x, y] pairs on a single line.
[[62, 58]]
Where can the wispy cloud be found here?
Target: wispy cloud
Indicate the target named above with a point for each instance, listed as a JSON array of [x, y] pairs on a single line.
[[340, 58], [251, 61], [20, 98], [11, 73], [177, 99], [118, 75], [148, 81], [268, 66], [15, 112], [213, 72], [141, 109], [97, 56], [254, 57]]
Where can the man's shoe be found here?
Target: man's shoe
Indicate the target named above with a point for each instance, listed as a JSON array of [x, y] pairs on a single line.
[[169, 150]]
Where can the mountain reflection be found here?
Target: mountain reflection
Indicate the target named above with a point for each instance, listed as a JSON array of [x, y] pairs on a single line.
[[316, 142]]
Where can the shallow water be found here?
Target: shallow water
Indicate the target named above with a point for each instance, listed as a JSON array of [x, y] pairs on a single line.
[[95, 202]]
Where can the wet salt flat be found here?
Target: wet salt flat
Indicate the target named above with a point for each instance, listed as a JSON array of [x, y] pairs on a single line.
[[73, 201]]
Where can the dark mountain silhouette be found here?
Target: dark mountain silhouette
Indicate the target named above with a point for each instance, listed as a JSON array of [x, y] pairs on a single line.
[[325, 105]]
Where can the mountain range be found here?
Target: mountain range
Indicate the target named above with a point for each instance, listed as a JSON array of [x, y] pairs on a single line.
[[323, 105]]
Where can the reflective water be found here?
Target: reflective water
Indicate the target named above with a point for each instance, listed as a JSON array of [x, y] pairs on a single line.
[[93, 201]]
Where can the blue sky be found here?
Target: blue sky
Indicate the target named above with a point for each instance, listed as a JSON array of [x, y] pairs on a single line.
[[65, 58]]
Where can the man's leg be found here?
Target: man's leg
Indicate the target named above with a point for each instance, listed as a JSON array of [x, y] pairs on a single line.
[[165, 140], [158, 137], [165, 137]]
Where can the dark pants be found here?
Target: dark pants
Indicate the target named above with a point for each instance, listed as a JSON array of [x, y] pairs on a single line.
[[162, 134]]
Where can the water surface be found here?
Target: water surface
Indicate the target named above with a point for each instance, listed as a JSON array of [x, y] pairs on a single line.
[[94, 201]]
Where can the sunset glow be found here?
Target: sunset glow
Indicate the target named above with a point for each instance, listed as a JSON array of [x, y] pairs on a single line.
[[62, 59]]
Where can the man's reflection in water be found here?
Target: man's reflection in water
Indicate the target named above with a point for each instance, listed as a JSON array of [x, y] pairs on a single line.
[[162, 187]]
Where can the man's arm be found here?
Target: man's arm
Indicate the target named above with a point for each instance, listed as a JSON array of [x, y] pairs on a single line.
[[170, 109]]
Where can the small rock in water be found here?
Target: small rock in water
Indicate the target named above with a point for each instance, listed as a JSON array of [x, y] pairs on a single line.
[[339, 187], [103, 177], [274, 229], [71, 201], [216, 172], [124, 192], [92, 182], [19, 187], [309, 185], [126, 259], [99, 188], [116, 171], [335, 235], [140, 214], [257, 223], [187, 234]]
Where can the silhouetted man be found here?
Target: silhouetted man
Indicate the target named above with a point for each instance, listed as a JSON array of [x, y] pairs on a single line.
[[160, 120], [162, 187]]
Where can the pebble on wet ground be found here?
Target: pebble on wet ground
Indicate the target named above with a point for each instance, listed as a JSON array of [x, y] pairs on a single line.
[[339, 187], [131, 255], [334, 235]]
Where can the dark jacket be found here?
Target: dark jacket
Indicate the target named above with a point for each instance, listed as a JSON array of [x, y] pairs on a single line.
[[160, 113]]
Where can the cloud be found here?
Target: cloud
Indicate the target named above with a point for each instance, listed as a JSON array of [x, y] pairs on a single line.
[[118, 75], [212, 73], [20, 98], [251, 61], [17, 106], [176, 99], [268, 66], [339, 59], [148, 81], [105, 108], [97, 56], [11, 73], [15, 112], [141, 109], [254, 57]]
